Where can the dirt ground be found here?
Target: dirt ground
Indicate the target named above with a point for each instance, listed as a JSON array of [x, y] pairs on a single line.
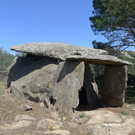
[[10, 106]]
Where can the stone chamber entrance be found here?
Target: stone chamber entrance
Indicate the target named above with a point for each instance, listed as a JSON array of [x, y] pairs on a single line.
[[85, 98], [83, 101], [104, 87]]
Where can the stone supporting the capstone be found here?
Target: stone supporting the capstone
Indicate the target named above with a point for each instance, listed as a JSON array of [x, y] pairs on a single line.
[[90, 86], [32, 77], [114, 84], [68, 81]]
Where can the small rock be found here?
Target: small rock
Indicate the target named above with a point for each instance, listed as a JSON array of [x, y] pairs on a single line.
[[133, 109], [64, 118], [23, 117], [26, 107], [42, 105]]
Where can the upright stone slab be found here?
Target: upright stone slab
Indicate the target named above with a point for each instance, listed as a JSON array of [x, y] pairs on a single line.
[[114, 84], [90, 86], [68, 81]]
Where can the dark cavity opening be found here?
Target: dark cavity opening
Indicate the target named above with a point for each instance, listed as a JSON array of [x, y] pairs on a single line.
[[88, 97], [83, 102]]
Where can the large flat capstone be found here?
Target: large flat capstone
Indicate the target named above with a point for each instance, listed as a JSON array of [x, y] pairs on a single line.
[[62, 51], [58, 51], [100, 59]]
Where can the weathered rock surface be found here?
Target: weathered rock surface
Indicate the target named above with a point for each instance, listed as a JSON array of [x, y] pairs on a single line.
[[113, 128], [100, 59], [16, 125], [62, 51], [97, 112], [115, 82], [109, 123], [109, 118], [32, 77], [55, 50], [69, 79], [19, 122], [57, 132], [48, 124], [24, 117]]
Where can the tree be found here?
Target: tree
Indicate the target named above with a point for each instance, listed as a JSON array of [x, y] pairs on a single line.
[[20, 54], [5, 59], [115, 19]]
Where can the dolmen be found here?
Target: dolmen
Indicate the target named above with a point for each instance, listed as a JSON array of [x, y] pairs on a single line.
[[59, 75]]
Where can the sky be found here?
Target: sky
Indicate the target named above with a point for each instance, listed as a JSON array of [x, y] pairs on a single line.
[[30, 21]]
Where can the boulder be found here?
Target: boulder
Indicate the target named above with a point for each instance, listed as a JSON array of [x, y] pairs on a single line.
[[114, 84], [32, 77], [56, 50], [68, 81]]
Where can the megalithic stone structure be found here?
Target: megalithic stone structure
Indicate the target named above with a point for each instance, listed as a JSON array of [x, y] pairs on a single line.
[[60, 74]]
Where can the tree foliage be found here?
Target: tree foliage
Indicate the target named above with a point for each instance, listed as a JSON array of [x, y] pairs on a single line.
[[115, 19], [20, 54], [5, 59]]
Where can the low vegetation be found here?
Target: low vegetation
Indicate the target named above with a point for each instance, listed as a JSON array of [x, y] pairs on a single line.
[[82, 115], [124, 112]]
